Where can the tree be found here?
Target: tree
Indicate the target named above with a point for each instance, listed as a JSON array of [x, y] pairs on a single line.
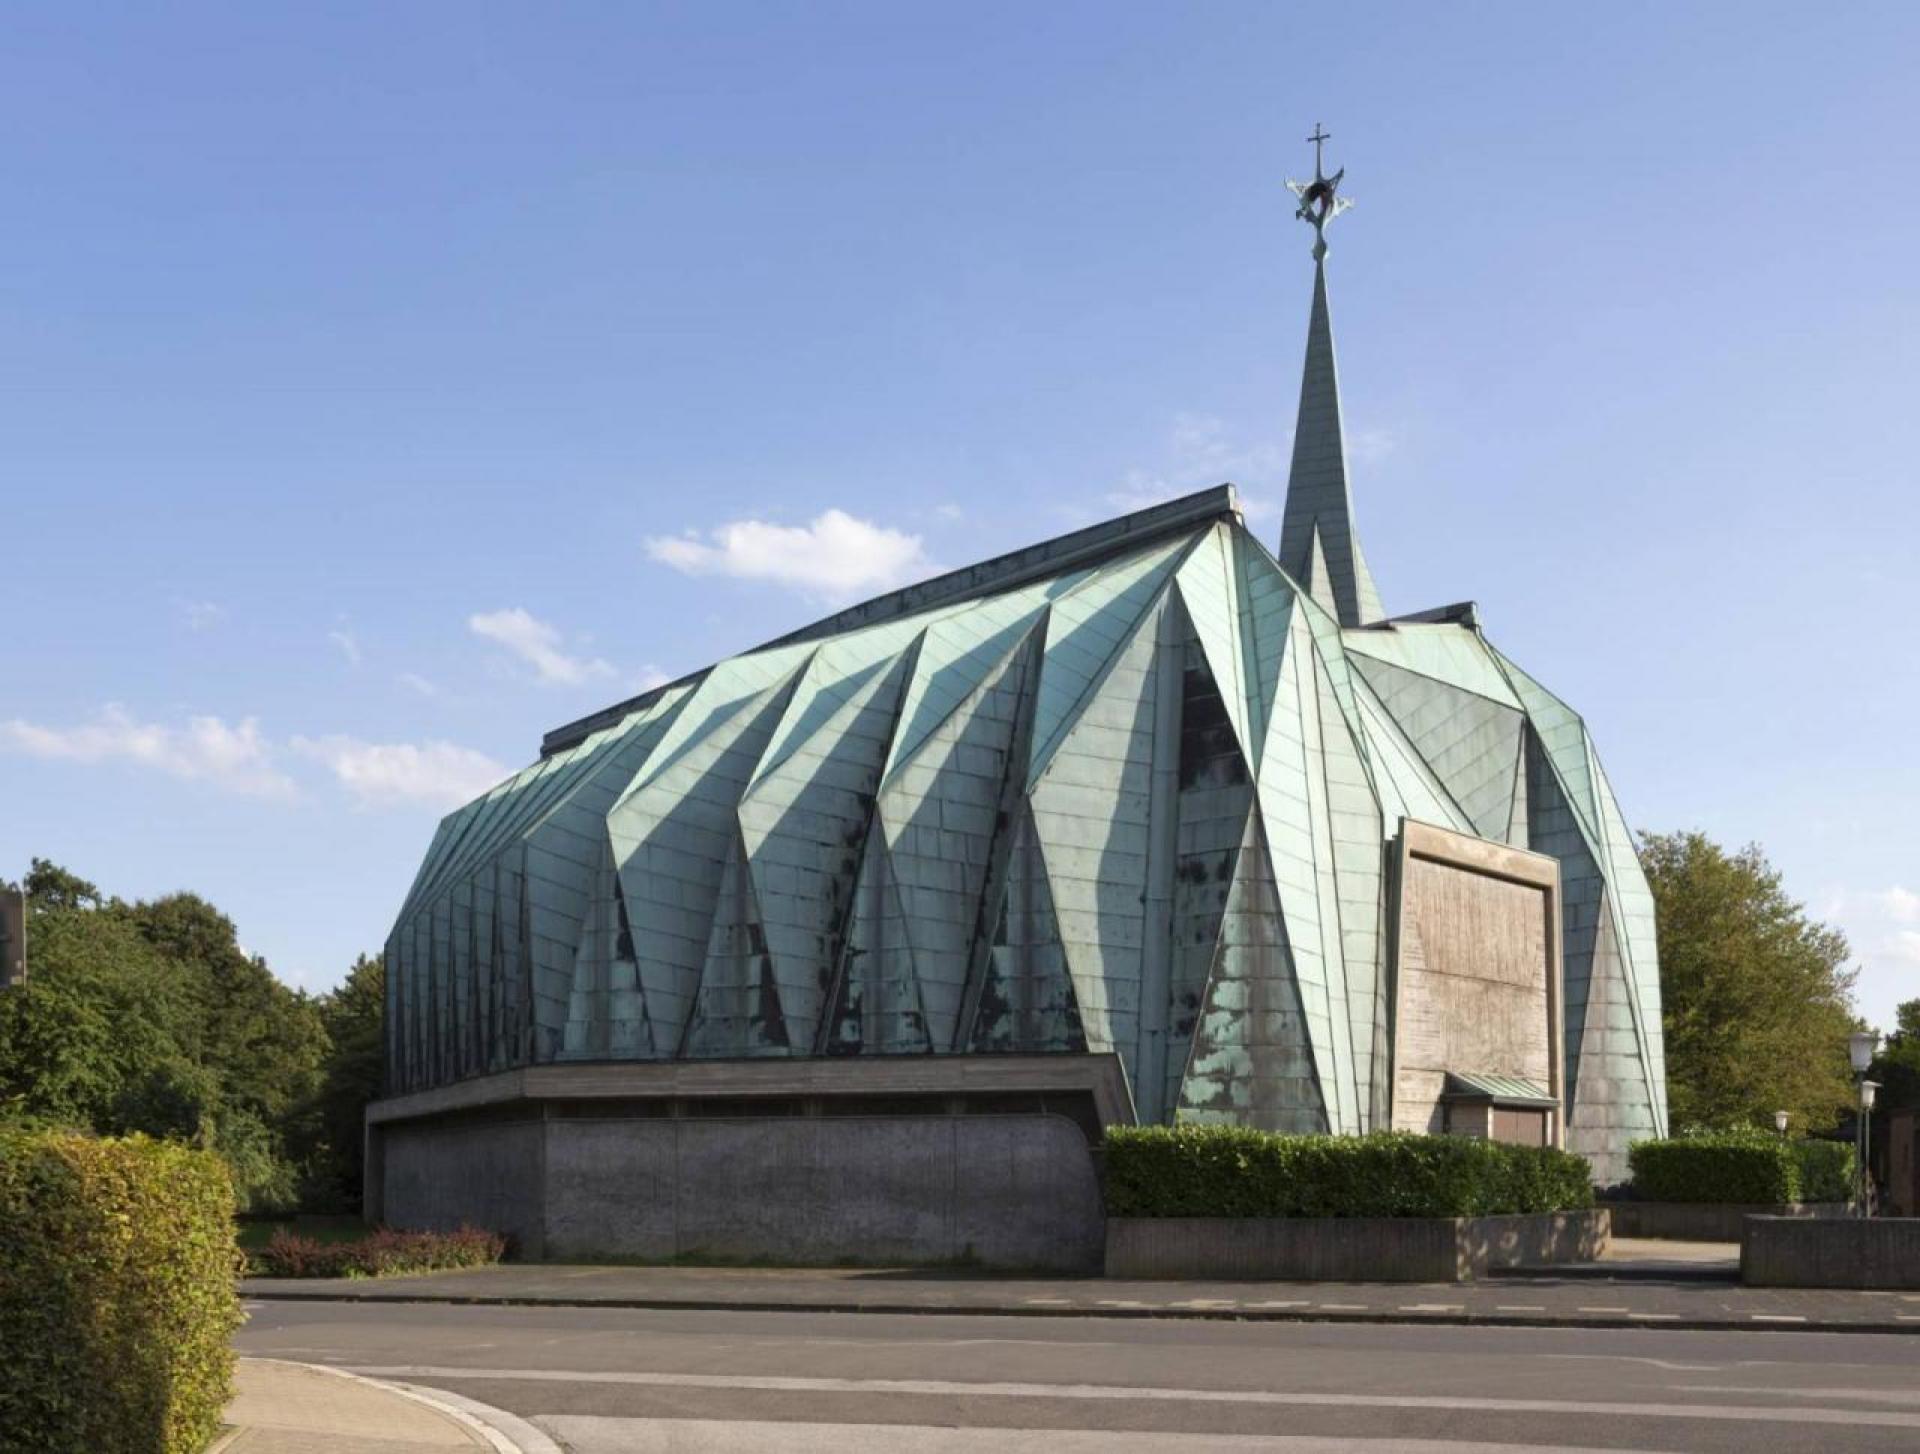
[[150, 1017], [1756, 1000], [52, 887], [1898, 1066], [353, 1014]]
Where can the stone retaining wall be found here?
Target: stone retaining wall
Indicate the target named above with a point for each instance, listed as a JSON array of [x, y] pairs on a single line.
[[1875, 1252], [1349, 1249], [1707, 1221]]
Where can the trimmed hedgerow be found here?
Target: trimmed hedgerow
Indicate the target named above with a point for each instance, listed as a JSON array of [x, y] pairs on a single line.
[[117, 1296], [1742, 1166], [381, 1253], [1234, 1171]]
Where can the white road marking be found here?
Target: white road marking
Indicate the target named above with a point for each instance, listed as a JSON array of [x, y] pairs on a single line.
[[1344, 1307], [1666, 1363], [1889, 1395], [587, 1434], [1281, 1303], [1519, 1307], [1776, 1317], [1606, 1310], [1432, 1307], [946, 1388], [1048, 1302], [1655, 1317]]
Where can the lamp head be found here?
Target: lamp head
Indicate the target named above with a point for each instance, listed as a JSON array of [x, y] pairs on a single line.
[[1780, 1122], [1868, 1088], [1861, 1045]]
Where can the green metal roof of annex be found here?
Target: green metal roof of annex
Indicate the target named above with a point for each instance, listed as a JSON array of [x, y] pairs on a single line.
[[1126, 790]]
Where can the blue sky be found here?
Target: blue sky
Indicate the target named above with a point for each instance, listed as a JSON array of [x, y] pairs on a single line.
[[381, 386]]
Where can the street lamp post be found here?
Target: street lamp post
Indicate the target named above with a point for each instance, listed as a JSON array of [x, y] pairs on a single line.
[[1861, 1046]]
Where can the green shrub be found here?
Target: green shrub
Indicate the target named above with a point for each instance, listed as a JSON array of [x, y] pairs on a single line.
[[1234, 1171], [1741, 1165], [381, 1253], [117, 1294], [1826, 1170]]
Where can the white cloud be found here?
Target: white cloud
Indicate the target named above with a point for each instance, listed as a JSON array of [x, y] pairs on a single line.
[[650, 677], [204, 749], [413, 681], [381, 774], [538, 644], [202, 615], [1883, 929], [1198, 454], [836, 556], [1900, 905], [349, 648]]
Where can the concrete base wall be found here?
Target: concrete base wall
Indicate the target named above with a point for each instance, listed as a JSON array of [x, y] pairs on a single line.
[[1011, 1191], [1348, 1249], [485, 1175], [1877, 1252], [1707, 1221]]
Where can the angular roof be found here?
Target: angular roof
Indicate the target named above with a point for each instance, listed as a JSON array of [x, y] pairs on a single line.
[[1124, 790], [1076, 550]]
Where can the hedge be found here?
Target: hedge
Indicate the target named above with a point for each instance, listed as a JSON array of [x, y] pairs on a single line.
[[117, 1296], [1826, 1170], [1741, 1166], [381, 1253], [1234, 1171]]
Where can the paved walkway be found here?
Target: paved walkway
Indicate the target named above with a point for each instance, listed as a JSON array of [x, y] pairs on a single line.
[[1647, 1258], [295, 1408], [1589, 1295]]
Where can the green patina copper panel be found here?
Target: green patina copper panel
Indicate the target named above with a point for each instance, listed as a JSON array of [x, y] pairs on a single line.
[[1128, 790]]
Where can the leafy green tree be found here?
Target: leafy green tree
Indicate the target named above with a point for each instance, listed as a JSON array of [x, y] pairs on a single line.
[[52, 887], [1756, 999], [150, 1017], [265, 1042], [1898, 1066], [352, 1014], [93, 1021]]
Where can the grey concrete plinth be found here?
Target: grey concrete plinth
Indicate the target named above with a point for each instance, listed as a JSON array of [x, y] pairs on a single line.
[[1349, 1249], [1878, 1252], [1708, 1221], [1008, 1191]]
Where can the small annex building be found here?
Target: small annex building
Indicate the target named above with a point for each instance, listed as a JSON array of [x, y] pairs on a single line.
[[849, 945]]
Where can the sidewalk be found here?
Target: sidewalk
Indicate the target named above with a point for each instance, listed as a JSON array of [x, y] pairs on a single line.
[[1631, 1293], [294, 1408]]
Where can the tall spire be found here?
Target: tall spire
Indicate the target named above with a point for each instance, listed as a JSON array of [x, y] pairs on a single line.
[[1318, 544]]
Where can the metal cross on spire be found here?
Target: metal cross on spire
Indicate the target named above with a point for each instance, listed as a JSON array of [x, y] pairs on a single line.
[[1320, 199]]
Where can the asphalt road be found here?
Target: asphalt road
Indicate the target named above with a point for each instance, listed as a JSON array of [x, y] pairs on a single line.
[[638, 1381]]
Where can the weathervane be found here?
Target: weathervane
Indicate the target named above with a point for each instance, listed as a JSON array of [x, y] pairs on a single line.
[[1320, 201]]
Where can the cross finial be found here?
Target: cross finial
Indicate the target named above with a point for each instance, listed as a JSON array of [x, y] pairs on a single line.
[[1317, 139], [1320, 201]]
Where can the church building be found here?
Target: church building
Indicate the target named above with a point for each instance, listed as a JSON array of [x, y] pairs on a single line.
[[849, 946]]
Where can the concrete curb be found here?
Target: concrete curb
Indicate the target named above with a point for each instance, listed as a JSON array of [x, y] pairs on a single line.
[[1216, 1315], [505, 1433]]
